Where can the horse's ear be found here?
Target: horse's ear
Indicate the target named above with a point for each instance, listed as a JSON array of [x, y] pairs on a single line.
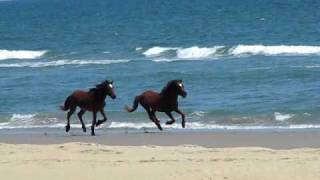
[[111, 81], [180, 80]]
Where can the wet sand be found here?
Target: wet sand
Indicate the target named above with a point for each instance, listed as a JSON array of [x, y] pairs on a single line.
[[214, 139]]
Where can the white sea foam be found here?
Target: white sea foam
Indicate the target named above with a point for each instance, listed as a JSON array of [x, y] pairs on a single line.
[[25, 121], [22, 117], [205, 126], [62, 63], [282, 117], [20, 54], [42, 121], [157, 51], [31, 122], [274, 50], [197, 52], [312, 66], [215, 52]]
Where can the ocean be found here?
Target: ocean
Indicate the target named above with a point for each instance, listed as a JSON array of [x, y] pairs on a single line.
[[246, 65]]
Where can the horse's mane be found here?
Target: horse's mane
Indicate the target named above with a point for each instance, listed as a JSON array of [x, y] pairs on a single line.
[[168, 87], [97, 88]]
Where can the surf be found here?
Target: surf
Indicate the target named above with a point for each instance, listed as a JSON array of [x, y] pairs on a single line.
[[21, 54], [238, 51]]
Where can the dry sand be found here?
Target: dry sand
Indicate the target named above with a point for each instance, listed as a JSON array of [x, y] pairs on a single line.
[[79, 161]]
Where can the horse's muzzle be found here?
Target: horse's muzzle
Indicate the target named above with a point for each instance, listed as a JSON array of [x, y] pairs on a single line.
[[184, 94]]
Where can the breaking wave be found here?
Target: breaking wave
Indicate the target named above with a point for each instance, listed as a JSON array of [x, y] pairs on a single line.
[[282, 117], [156, 51], [195, 52], [20, 54]]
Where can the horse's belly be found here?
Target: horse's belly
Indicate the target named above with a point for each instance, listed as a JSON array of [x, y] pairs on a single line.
[[91, 106], [87, 107]]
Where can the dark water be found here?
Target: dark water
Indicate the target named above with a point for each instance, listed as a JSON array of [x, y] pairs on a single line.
[[245, 64]]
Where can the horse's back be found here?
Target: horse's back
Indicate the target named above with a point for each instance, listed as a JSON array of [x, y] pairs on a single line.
[[80, 93], [150, 98], [81, 96]]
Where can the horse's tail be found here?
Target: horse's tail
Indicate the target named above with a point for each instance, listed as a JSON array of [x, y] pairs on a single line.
[[66, 105], [135, 104]]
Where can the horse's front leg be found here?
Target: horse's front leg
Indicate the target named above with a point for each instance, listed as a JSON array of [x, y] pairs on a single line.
[[104, 118], [171, 117], [93, 122], [183, 123]]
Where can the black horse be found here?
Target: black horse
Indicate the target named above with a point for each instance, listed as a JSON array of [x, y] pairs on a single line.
[[92, 100], [166, 101]]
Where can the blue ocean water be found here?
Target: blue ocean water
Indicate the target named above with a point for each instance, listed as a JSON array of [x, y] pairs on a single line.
[[251, 64]]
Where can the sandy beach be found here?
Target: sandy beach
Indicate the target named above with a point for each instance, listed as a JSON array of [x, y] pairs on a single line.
[[237, 155], [94, 161]]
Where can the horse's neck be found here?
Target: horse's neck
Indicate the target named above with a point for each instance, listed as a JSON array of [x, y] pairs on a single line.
[[170, 96], [99, 95]]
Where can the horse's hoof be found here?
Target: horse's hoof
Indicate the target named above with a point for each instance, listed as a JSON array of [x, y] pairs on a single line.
[[99, 122], [183, 124], [84, 129], [67, 128], [169, 122], [159, 127], [93, 134]]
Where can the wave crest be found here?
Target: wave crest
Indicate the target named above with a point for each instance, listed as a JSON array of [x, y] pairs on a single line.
[[196, 52], [157, 51], [275, 50], [20, 54], [282, 117]]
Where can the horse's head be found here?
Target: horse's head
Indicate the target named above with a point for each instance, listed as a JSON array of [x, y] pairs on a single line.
[[180, 88], [108, 88], [175, 87]]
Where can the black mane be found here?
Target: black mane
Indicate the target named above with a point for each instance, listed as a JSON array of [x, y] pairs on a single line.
[[99, 86], [169, 87]]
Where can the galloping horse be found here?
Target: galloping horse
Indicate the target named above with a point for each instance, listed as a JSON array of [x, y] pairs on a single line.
[[94, 101], [166, 101]]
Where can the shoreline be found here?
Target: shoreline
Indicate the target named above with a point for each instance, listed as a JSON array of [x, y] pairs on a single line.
[[211, 139]]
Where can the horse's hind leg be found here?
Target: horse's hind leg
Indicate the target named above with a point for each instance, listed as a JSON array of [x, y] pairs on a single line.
[[171, 117], [72, 109], [80, 114], [152, 117]]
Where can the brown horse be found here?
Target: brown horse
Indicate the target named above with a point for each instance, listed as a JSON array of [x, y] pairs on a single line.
[[93, 100], [166, 101]]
